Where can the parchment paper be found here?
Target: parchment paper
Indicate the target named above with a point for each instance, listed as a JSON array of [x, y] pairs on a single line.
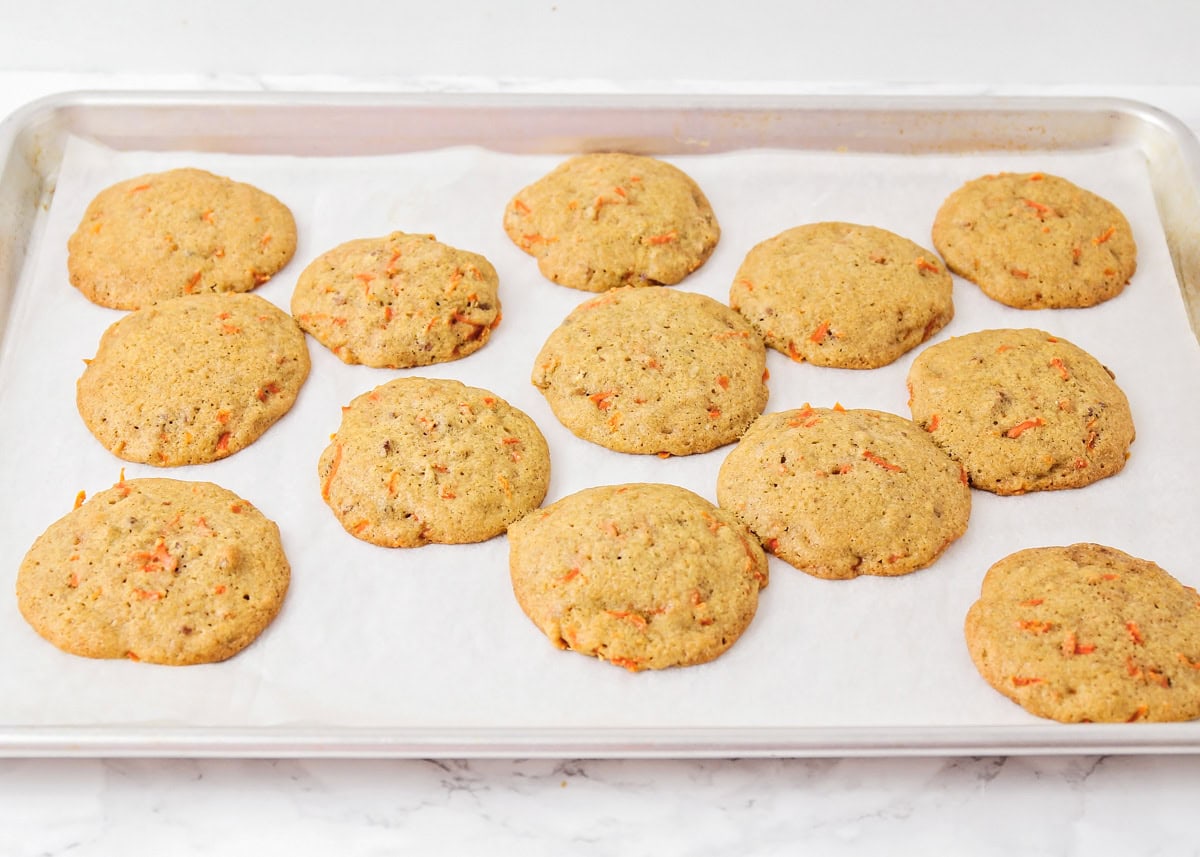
[[432, 637]]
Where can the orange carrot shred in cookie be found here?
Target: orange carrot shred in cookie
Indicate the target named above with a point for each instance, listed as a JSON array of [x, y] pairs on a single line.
[[881, 462], [1022, 427], [601, 399]]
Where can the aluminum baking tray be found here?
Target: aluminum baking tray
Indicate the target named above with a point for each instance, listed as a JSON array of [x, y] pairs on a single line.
[[394, 695]]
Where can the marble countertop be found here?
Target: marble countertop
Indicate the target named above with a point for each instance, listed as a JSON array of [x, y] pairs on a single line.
[[1032, 805]]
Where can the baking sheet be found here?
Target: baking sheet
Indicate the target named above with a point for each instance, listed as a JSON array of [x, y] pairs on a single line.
[[407, 651]]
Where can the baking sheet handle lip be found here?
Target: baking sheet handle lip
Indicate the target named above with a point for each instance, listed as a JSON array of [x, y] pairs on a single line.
[[802, 742], [863, 101]]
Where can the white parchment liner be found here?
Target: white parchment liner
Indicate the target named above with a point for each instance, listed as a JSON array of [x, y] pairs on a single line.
[[433, 637]]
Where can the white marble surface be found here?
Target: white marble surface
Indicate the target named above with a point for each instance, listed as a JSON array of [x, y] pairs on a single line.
[[1086, 805]]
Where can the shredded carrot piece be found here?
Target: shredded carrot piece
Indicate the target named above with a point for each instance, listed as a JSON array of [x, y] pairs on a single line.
[[1036, 177], [191, 284], [714, 413], [337, 460], [148, 594], [571, 575], [1019, 273], [219, 589], [1025, 681], [924, 265], [360, 526], [934, 421], [236, 508], [73, 581], [1039, 208], [223, 442], [664, 455], [1135, 633], [722, 381], [881, 462], [731, 334], [79, 498], [837, 406], [601, 399], [1062, 370], [1142, 711], [665, 238], [631, 664], [1104, 236], [1032, 602], [793, 353], [266, 390], [820, 333], [536, 238], [1020, 428], [521, 206], [139, 188], [629, 616], [207, 216], [1034, 625], [771, 545]]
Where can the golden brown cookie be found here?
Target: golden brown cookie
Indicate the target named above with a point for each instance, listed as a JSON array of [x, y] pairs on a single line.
[[155, 570], [1088, 633], [610, 219], [420, 460], [1022, 410], [398, 301], [644, 576], [654, 371], [193, 379], [840, 493], [1036, 241], [842, 294], [180, 232]]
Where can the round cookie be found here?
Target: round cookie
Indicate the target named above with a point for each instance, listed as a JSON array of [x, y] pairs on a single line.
[[193, 379], [180, 232], [1021, 410], [1088, 633], [841, 294], [155, 570], [420, 460], [644, 576], [840, 493], [1036, 241], [654, 371], [610, 219], [398, 301]]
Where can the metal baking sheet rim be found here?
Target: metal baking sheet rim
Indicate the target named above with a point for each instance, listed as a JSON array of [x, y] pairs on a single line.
[[31, 142]]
